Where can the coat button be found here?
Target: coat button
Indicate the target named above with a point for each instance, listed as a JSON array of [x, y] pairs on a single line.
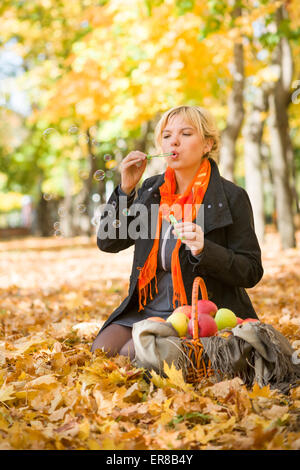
[[150, 189], [220, 204], [209, 206]]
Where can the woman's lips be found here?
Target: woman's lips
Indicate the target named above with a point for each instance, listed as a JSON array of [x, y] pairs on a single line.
[[175, 155]]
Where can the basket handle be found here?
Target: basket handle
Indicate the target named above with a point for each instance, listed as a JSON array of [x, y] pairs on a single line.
[[198, 282]]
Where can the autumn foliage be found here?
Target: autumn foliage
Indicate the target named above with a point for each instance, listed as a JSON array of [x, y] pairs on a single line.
[[56, 394]]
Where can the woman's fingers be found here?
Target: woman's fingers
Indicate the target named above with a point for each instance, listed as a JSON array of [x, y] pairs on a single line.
[[133, 162], [188, 230], [189, 235], [187, 227], [135, 156]]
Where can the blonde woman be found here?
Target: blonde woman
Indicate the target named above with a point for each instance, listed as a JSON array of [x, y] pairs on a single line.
[[224, 249]]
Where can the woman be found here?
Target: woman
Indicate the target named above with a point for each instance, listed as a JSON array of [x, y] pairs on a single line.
[[225, 252]]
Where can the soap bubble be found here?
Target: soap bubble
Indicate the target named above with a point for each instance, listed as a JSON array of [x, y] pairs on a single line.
[[96, 143], [58, 233], [81, 208], [48, 132], [96, 197], [83, 138], [73, 130], [121, 143], [107, 157], [56, 225], [62, 212], [109, 174], [47, 196], [116, 223], [99, 175]]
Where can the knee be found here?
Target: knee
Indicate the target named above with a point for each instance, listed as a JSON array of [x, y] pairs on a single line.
[[99, 344], [128, 350]]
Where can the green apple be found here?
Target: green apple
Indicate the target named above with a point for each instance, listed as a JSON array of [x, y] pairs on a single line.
[[225, 318], [180, 322]]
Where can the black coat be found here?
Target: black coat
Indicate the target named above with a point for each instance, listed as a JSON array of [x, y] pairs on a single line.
[[231, 257]]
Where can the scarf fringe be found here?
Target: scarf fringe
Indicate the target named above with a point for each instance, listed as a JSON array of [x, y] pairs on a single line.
[[144, 291], [235, 357]]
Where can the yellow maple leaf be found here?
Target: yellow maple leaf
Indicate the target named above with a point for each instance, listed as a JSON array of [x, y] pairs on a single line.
[[175, 377], [159, 381], [6, 393], [258, 391]]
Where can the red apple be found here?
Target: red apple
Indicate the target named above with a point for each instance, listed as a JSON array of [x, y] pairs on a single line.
[[186, 309], [207, 307], [207, 326], [239, 320], [248, 320], [156, 319]]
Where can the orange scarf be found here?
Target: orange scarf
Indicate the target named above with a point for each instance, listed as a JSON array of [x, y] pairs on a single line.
[[175, 204]]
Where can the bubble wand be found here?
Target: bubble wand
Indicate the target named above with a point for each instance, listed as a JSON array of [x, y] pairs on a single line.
[[174, 221], [159, 155]]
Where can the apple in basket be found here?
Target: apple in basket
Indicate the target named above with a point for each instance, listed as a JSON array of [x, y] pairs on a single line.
[[186, 309], [156, 319], [206, 326], [179, 321], [225, 318], [207, 307]]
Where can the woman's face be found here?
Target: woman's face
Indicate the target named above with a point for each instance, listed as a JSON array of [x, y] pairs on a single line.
[[181, 137]]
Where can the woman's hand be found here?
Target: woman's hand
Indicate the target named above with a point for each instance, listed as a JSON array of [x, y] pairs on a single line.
[[192, 235], [132, 168]]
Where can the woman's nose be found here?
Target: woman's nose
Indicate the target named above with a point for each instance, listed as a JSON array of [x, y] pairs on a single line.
[[174, 140]]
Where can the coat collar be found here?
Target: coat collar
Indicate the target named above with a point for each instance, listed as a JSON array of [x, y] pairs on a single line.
[[217, 213]]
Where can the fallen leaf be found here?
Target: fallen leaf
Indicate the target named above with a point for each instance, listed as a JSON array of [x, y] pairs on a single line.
[[45, 381], [175, 377], [258, 391], [58, 414], [6, 393]]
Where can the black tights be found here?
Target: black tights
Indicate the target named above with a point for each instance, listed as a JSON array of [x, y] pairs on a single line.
[[115, 339]]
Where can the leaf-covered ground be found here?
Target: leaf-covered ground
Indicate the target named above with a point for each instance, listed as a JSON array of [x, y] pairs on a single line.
[[55, 394]]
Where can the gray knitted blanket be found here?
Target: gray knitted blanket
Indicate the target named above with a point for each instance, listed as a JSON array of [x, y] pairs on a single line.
[[255, 352]]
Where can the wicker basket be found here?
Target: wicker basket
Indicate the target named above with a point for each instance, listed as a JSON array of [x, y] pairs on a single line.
[[199, 365]]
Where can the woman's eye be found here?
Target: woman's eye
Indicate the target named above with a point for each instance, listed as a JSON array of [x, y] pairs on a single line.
[[166, 136]]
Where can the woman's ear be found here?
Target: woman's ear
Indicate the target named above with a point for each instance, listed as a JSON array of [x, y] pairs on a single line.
[[209, 144]]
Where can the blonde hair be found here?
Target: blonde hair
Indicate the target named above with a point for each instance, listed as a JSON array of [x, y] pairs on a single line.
[[198, 117]]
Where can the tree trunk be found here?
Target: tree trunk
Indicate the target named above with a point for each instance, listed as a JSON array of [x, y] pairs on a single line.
[[280, 139], [252, 132], [66, 214], [46, 214], [235, 111], [82, 202]]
